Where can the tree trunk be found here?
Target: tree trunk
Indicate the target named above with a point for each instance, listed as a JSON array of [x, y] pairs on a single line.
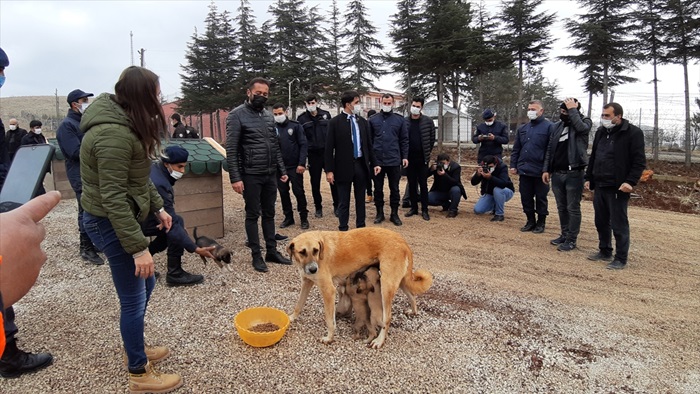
[[481, 92], [605, 83], [441, 118], [521, 92], [655, 134], [687, 112], [590, 104]]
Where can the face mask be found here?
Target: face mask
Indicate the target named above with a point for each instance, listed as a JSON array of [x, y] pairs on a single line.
[[83, 107], [607, 123], [13, 127], [357, 109], [280, 118], [258, 102], [176, 174], [415, 111], [491, 169], [489, 123], [446, 166], [311, 108], [173, 123], [564, 118], [386, 108], [2, 80], [532, 115], [37, 131]]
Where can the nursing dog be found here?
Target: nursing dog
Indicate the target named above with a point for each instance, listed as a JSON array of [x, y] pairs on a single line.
[[326, 258], [221, 255]]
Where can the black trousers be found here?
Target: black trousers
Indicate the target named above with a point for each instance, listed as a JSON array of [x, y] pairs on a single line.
[[316, 166], [358, 184], [9, 325], [162, 242], [533, 195], [297, 185], [610, 206], [393, 174], [260, 195], [417, 174], [81, 229]]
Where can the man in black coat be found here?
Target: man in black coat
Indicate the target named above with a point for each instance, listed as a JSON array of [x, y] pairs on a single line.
[[349, 158], [614, 168], [181, 130], [254, 161], [491, 135], [294, 151], [447, 189], [13, 137], [421, 139]]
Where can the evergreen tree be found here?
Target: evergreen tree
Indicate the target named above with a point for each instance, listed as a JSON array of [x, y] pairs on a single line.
[[407, 36], [360, 57], [194, 96], [525, 35], [682, 27], [254, 56], [331, 55]]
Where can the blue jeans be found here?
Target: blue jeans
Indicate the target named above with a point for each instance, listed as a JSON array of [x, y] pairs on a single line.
[[447, 200], [497, 201], [568, 189], [133, 292]]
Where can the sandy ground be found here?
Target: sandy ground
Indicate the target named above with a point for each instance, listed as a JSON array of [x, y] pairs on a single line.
[[507, 313]]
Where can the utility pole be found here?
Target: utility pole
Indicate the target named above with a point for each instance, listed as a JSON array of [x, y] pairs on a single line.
[[131, 39], [290, 94], [57, 112], [142, 56]]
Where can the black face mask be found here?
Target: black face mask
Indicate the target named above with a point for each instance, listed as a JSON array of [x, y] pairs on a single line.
[[258, 102], [564, 118]]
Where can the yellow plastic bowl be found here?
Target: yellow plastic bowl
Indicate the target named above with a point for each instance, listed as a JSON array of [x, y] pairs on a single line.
[[251, 317]]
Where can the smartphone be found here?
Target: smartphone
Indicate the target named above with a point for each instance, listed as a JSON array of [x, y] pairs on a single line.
[[26, 174]]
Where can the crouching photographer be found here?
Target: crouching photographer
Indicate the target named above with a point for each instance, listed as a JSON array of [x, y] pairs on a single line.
[[496, 187]]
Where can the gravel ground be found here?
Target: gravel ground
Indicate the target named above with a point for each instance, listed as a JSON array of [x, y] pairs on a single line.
[[507, 313]]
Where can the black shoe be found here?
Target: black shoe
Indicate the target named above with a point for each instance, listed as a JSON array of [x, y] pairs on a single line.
[[559, 240], [304, 224], [91, 256], [394, 218], [616, 265], [156, 274], [600, 256], [184, 278], [319, 213], [426, 215], [22, 362], [497, 218], [287, 222], [277, 258], [539, 226], [444, 208], [380, 218], [405, 204], [278, 237], [411, 213], [529, 226], [566, 246], [259, 264], [452, 214]]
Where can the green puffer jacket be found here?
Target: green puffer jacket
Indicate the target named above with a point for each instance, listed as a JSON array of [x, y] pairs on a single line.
[[115, 172]]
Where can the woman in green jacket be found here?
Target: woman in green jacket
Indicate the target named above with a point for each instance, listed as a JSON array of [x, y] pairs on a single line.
[[122, 136]]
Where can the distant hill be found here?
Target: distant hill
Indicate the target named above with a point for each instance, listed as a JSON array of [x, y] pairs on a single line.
[[28, 108]]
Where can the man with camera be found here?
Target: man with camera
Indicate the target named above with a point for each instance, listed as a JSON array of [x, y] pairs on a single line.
[[496, 187], [447, 185], [491, 135]]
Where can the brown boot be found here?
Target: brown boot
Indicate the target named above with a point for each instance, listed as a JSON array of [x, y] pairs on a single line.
[[152, 381], [153, 353]]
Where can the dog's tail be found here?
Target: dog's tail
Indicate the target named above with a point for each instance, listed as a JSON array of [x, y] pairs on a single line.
[[194, 232], [418, 281]]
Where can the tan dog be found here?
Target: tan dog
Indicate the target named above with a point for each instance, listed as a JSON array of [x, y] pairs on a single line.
[[326, 258]]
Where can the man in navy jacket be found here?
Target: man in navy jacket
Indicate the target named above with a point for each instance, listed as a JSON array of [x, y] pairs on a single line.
[[496, 187], [491, 134], [69, 137]]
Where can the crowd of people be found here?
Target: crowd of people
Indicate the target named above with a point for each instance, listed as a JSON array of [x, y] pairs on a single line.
[[124, 179]]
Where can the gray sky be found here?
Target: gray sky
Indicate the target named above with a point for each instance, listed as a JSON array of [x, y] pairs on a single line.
[[85, 44]]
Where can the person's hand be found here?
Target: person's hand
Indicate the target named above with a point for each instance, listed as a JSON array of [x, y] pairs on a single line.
[[440, 171], [301, 169], [144, 265], [433, 167], [587, 185], [491, 137], [486, 175], [513, 171], [570, 103], [206, 251], [377, 170], [166, 221], [238, 187], [626, 188], [404, 162], [545, 178], [480, 171], [330, 178], [284, 178], [21, 235]]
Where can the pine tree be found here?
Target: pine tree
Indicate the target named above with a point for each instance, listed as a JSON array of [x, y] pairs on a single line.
[[193, 94], [525, 35], [331, 54], [360, 57], [407, 36], [254, 56]]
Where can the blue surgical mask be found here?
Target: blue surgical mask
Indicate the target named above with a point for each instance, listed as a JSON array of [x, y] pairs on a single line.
[[2, 80]]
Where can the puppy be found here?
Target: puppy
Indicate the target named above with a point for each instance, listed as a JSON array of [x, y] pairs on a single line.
[[374, 301], [326, 258], [357, 289], [221, 255], [344, 307]]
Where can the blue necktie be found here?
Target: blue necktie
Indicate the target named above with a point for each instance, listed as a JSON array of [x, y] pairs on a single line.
[[355, 150]]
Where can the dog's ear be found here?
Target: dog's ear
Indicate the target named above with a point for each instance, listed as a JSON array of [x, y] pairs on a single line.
[[370, 288], [320, 250], [290, 248]]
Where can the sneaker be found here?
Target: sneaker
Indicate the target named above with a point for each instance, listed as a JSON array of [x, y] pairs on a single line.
[[559, 240], [566, 246], [600, 256], [497, 218], [616, 265], [152, 381]]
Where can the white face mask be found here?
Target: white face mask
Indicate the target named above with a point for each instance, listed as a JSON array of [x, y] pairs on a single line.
[[280, 118], [491, 169], [532, 115], [489, 123], [176, 174], [415, 111], [13, 127], [83, 107], [446, 166], [37, 131], [386, 108], [311, 108], [607, 123], [357, 109]]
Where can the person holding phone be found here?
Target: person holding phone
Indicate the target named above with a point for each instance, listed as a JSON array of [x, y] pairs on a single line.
[[122, 137]]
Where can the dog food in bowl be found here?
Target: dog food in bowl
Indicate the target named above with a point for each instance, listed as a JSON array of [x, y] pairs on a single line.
[[261, 326]]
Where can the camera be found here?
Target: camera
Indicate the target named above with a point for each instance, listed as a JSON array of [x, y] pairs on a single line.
[[485, 168]]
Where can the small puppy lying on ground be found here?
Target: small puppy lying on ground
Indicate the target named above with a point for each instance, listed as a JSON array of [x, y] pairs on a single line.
[[221, 254]]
